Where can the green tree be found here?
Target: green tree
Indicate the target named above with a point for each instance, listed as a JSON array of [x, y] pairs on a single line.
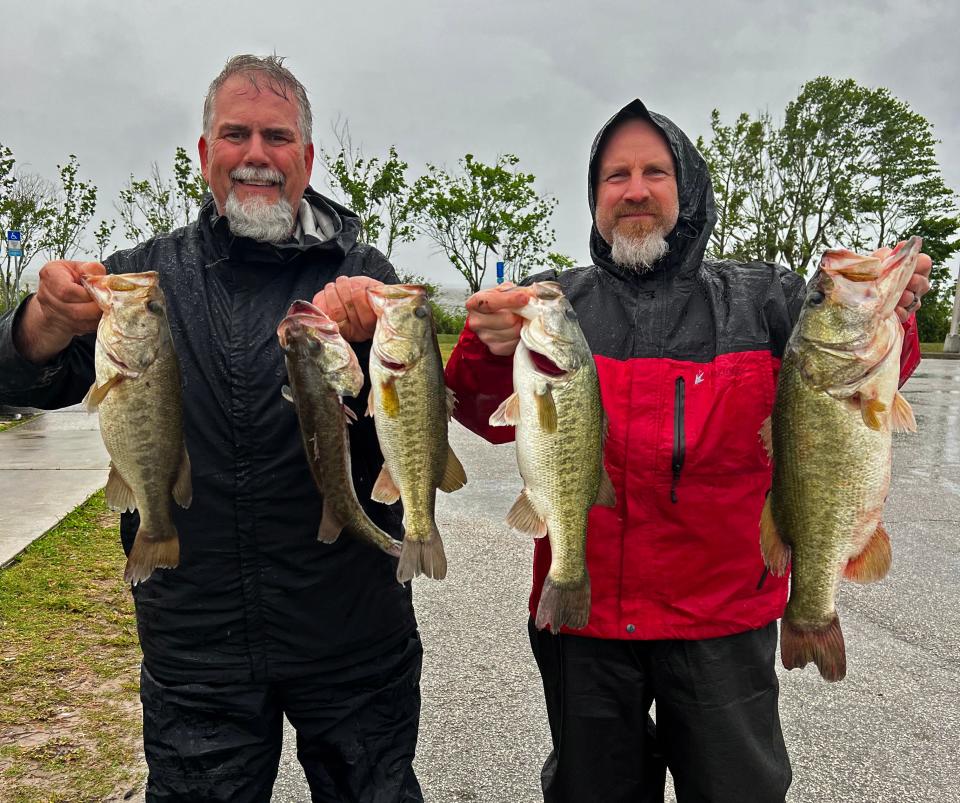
[[376, 189], [482, 212], [26, 205], [74, 203], [159, 204], [728, 157], [850, 166], [103, 235]]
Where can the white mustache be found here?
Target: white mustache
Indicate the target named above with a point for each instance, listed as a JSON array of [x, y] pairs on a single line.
[[259, 174]]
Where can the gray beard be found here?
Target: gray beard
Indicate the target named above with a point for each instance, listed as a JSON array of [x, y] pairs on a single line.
[[259, 219], [638, 255]]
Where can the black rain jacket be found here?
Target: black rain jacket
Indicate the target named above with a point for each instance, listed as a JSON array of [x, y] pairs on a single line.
[[256, 597]]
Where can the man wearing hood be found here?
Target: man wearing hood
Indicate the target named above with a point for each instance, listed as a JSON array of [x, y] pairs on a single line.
[[683, 613], [259, 620]]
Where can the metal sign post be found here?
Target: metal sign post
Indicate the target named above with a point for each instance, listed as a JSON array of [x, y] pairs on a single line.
[[14, 244]]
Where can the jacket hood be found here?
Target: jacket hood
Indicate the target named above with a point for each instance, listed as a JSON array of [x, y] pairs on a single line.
[[215, 231], [698, 213]]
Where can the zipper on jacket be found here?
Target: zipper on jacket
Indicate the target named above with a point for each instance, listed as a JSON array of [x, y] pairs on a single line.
[[679, 437]]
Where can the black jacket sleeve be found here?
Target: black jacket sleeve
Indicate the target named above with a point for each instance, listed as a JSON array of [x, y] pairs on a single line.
[[783, 304], [59, 383]]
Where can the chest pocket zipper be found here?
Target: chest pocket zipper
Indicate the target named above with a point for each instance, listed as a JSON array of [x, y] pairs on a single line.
[[679, 437]]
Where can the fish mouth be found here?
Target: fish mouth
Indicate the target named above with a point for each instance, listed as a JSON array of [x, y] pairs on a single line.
[[303, 317], [390, 362], [545, 365], [120, 365]]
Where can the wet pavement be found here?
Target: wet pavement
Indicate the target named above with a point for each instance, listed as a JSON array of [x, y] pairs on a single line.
[[889, 733], [48, 466]]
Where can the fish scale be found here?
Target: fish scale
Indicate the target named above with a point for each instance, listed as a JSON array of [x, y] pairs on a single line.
[[411, 406], [830, 436], [322, 368], [558, 415], [138, 397]]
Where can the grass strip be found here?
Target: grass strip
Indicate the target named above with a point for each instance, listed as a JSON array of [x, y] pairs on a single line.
[[70, 727]]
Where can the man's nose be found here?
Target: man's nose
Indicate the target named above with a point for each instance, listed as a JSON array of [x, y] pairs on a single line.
[[256, 152], [637, 189]]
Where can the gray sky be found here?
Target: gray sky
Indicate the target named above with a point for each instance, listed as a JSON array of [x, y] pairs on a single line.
[[122, 84]]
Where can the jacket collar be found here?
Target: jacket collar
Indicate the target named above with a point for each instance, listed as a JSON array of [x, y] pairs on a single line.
[[222, 243]]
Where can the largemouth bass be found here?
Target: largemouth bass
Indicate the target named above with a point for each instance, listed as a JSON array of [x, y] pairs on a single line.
[[837, 404], [560, 425], [411, 406], [137, 393], [323, 368]]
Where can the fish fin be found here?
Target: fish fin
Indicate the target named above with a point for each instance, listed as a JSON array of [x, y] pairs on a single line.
[[546, 409], [873, 562], [451, 402], [151, 552], [508, 413], [871, 409], [183, 486], [901, 417], [393, 549], [118, 494], [454, 476], [369, 412], [606, 495], [389, 398], [524, 518], [565, 605], [287, 394], [825, 647], [776, 553], [422, 557], [348, 413], [385, 489], [330, 525], [97, 394], [766, 435]]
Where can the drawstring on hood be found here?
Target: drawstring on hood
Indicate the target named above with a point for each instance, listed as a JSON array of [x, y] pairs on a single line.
[[698, 214]]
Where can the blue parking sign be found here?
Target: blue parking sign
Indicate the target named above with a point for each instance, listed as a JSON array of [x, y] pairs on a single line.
[[13, 236]]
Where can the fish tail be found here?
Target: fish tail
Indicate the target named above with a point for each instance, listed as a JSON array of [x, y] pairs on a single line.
[[422, 557], [370, 532], [824, 646], [151, 552], [564, 605]]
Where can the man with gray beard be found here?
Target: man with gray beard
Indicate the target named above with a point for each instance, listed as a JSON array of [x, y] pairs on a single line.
[[260, 620], [682, 611]]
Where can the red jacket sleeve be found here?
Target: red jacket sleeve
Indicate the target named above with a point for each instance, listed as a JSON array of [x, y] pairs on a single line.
[[481, 381], [910, 352]]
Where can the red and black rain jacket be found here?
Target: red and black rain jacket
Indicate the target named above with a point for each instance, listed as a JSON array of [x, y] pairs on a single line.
[[687, 356]]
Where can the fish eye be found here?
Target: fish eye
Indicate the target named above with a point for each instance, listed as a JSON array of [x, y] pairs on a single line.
[[570, 313], [421, 312], [155, 307], [815, 298]]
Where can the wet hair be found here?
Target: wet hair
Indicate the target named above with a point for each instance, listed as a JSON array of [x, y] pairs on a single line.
[[278, 79]]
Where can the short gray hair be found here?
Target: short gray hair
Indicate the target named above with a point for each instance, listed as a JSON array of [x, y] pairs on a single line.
[[279, 80]]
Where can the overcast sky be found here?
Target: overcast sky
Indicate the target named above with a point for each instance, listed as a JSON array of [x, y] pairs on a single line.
[[122, 84]]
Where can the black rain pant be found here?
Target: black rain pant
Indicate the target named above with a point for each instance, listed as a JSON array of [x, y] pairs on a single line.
[[718, 725], [356, 734]]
